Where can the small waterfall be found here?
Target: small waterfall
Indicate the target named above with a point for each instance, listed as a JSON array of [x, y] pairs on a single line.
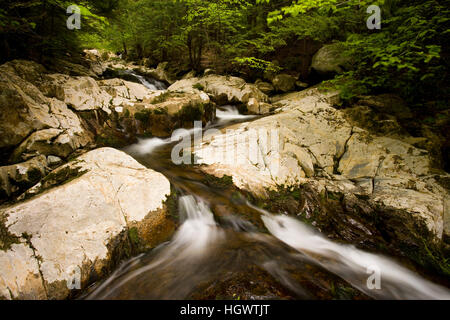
[[149, 83], [353, 265], [149, 145], [201, 252], [146, 146], [229, 113], [176, 267]]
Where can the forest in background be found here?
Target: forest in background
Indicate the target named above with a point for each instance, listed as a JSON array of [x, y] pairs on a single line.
[[249, 38]]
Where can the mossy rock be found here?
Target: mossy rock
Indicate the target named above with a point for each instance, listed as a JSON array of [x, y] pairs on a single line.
[[163, 97], [144, 115], [221, 183], [198, 86], [6, 238], [191, 112], [112, 139], [57, 177]]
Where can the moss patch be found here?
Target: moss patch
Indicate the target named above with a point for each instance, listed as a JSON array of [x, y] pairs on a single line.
[[172, 205], [134, 236], [221, 183], [56, 178], [198, 86], [191, 112], [6, 238], [63, 176], [163, 97], [144, 115], [340, 291], [161, 111]]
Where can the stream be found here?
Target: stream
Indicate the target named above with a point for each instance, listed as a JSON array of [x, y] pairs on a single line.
[[220, 252]]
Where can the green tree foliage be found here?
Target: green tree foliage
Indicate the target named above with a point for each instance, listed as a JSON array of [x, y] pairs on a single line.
[[409, 55], [162, 30], [37, 29], [145, 28]]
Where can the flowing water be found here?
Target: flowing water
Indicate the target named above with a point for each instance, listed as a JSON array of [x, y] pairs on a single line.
[[230, 113], [220, 250], [149, 83]]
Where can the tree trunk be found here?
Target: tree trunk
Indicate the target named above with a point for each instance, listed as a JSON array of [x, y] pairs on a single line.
[[125, 50]]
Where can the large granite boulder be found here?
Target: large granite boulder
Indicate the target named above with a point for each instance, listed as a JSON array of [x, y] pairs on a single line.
[[308, 140], [331, 60], [284, 82], [25, 110], [264, 87], [78, 223], [222, 89], [79, 93], [122, 89], [160, 113]]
